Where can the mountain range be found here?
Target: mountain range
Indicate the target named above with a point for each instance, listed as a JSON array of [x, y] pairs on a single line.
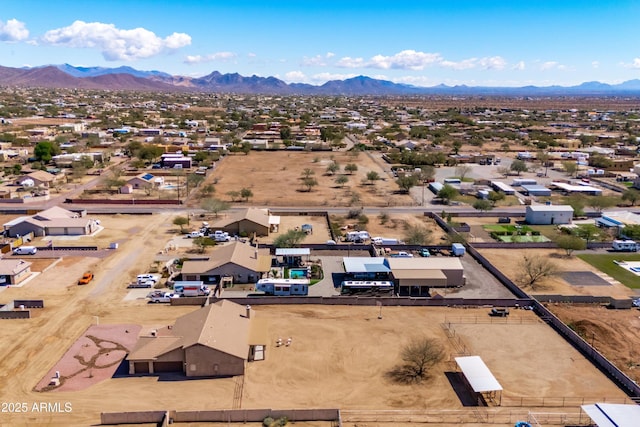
[[127, 78]]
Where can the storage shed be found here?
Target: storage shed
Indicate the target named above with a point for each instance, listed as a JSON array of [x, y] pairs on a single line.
[[548, 214]]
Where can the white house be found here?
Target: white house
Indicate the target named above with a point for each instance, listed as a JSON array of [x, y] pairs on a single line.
[[549, 214]]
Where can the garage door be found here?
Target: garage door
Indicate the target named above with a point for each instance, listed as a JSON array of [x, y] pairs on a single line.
[[141, 367], [167, 367]]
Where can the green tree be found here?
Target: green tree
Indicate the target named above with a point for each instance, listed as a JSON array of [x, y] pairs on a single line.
[[202, 242], [181, 221], [571, 243], [372, 176], [290, 239], [234, 194], [417, 235], [309, 183], [307, 173], [214, 206], [447, 193], [519, 166], [570, 168], [45, 150], [406, 182], [496, 196], [341, 180], [588, 232], [631, 231], [246, 194], [482, 205], [599, 203], [332, 168], [631, 195], [194, 180], [350, 168], [577, 202]]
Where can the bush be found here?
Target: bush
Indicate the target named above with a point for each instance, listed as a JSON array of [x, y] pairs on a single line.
[[354, 213]]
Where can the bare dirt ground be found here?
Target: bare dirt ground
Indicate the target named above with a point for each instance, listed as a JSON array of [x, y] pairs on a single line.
[[394, 227], [508, 261], [275, 179], [339, 358], [615, 333]]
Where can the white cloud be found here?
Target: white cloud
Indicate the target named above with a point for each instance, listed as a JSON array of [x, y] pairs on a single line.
[[295, 77], [552, 65], [325, 77], [13, 30], [218, 56], [596, 64], [634, 64], [251, 55], [520, 66], [418, 61], [317, 61], [115, 44], [348, 62]]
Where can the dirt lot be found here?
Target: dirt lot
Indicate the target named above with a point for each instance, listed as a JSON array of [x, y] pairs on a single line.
[[276, 179], [615, 333], [394, 226], [508, 261], [339, 358]]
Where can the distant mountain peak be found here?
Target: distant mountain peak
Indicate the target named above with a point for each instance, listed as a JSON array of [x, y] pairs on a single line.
[[128, 78]]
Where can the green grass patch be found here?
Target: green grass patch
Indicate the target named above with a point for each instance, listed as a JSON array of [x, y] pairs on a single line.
[[523, 239], [604, 263]]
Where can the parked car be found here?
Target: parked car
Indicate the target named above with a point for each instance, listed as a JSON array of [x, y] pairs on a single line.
[[504, 220], [425, 252], [161, 297], [195, 234], [86, 278], [25, 250], [499, 312]]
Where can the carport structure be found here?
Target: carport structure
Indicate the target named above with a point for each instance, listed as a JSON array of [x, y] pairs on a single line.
[[480, 378], [613, 415]]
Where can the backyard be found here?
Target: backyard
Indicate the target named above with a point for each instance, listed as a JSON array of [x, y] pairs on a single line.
[[607, 264], [515, 233]]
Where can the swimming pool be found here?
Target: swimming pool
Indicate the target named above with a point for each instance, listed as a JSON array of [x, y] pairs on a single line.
[[169, 187], [298, 273]]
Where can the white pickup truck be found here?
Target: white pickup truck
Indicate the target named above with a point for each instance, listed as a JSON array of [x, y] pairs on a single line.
[[158, 297]]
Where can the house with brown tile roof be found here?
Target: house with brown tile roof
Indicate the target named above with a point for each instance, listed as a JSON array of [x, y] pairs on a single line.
[[38, 178], [241, 262], [13, 271], [54, 221], [245, 222], [216, 340]]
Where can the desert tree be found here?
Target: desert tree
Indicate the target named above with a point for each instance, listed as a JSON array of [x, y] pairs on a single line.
[[181, 221], [588, 232], [570, 168], [350, 168], [194, 180], [496, 196], [372, 177], [571, 243], [341, 180], [289, 239], [234, 195], [534, 269], [631, 195], [309, 183], [417, 235], [599, 203], [332, 168], [307, 173], [202, 242], [418, 357], [482, 205], [214, 206], [518, 166], [447, 193], [406, 182], [246, 194], [462, 171]]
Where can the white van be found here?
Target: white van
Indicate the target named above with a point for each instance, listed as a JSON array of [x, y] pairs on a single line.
[[25, 250]]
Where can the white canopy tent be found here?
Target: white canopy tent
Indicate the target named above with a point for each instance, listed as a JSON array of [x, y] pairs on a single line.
[[480, 377], [613, 415]]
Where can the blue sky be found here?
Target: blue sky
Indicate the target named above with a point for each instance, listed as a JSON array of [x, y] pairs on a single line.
[[421, 42]]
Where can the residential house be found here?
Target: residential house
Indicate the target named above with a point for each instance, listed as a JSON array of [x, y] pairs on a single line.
[[54, 221], [13, 271], [213, 341], [144, 180], [36, 179], [241, 262], [548, 214], [248, 222]]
